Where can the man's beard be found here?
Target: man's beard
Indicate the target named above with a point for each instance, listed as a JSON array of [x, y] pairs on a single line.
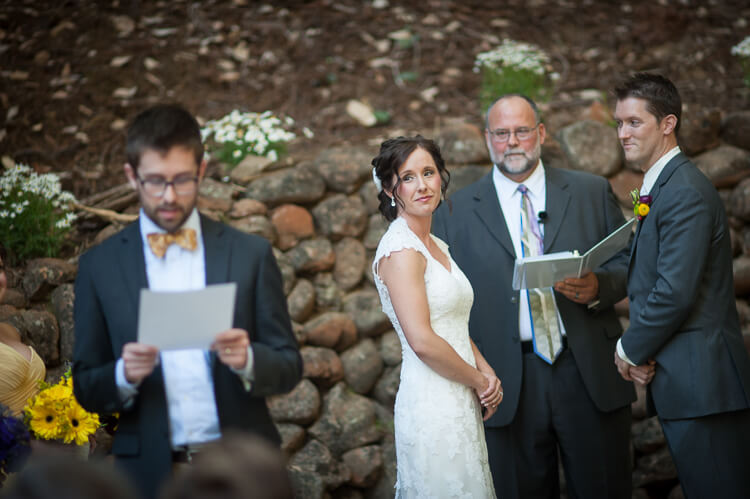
[[515, 167]]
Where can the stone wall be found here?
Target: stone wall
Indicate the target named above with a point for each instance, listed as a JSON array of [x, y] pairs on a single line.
[[321, 215]]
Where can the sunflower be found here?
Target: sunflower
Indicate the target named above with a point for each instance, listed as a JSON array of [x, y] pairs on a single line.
[[44, 421], [80, 424]]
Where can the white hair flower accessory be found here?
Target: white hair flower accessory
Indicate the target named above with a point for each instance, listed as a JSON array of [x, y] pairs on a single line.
[[376, 180]]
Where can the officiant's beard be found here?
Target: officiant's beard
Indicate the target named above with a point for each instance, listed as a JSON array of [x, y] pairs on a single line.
[[517, 161]]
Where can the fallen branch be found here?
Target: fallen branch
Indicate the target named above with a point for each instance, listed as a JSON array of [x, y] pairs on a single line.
[[109, 215]]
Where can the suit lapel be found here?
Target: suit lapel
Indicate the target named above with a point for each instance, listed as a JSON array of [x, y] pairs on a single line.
[[133, 269], [489, 211], [557, 200], [216, 251], [664, 177]]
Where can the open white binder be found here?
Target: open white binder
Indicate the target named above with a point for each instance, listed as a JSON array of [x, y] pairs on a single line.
[[542, 271]]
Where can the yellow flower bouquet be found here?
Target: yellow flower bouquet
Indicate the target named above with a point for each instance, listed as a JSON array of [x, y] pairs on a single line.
[[55, 414]]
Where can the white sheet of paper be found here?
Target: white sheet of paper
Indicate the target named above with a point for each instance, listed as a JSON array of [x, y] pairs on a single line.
[[185, 319]]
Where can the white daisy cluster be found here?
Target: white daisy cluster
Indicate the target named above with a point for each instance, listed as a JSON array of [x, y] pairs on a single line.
[[742, 49], [20, 186], [239, 134], [35, 213], [516, 55]]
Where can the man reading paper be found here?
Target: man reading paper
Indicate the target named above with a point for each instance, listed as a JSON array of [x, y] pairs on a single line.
[[171, 402]]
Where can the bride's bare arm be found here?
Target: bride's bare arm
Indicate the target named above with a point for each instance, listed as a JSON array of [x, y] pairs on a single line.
[[403, 274]]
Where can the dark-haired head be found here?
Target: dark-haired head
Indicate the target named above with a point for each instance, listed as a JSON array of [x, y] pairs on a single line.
[[393, 154], [660, 94], [160, 128]]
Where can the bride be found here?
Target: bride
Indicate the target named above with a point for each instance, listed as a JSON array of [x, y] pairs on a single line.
[[440, 446]]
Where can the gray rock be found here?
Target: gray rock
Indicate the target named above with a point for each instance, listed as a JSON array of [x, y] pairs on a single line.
[[312, 255], [364, 308], [656, 467], [245, 207], [301, 300], [553, 154], [376, 227], [699, 130], [676, 492], [735, 129], [328, 295], [387, 386], [390, 348], [321, 365], [301, 405], [350, 262], [62, 304], [340, 216], [292, 437], [326, 329], [369, 194], [623, 183], [638, 407], [315, 457], [42, 275], [465, 175], [739, 201], [724, 166], [461, 143], [14, 298], [256, 224], [743, 310], [344, 169], [347, 422], [250, 168], [384, 487], [648, 435], [290, 185], [39, 329], [741, 271], [738, 242], [306, 484], [288, 274], [211, 188], [592, 147], [365, 464], [362, 366]]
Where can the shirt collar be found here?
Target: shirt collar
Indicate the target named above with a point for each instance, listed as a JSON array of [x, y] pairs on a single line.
[[649, 179], [149, 227], [507, 187]]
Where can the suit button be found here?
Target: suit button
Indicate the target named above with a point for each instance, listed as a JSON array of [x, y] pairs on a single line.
[[514, 299]]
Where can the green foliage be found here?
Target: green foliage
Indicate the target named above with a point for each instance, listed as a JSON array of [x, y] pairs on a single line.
[[514, 67], [35, 214], [239, 134], [382, 117]]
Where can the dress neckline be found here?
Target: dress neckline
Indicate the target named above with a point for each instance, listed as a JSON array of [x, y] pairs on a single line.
[[434, 238]]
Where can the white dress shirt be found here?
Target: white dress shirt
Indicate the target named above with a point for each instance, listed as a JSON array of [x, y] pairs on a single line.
[[188, 384], [649, 179], [510, 202]]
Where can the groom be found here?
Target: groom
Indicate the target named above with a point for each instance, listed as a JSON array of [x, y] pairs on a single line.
[[573, 403], [172, 402], [683, 318]]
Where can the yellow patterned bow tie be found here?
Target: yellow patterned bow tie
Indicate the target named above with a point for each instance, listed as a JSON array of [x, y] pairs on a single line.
[[159, 242]]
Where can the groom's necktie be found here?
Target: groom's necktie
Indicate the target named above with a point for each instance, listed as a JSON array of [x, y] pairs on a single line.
[[545, 329]]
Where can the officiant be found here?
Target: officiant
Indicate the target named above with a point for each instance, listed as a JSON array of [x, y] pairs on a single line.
[[551, 347], [173, 402]]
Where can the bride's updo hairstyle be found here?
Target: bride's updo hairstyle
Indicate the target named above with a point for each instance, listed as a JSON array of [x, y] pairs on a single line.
[[394, 153]]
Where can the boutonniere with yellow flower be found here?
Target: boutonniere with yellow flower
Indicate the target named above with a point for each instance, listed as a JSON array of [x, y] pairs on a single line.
[[55, 414], [641, 204]]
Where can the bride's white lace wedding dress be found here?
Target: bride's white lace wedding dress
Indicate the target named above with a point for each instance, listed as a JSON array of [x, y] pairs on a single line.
[[440, 446]]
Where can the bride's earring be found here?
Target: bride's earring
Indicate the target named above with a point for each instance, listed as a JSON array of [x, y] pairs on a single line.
[[393, 202]]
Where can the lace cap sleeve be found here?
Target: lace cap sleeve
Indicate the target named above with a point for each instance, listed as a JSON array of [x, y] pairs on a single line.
[[396, 238]]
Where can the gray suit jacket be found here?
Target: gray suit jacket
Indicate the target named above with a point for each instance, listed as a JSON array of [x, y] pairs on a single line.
[[107, 290], [581, 211], [682, 305]]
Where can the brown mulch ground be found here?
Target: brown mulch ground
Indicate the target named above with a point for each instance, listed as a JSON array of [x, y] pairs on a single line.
[[74, 72]]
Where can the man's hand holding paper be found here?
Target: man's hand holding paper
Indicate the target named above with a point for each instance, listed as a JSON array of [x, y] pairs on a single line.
[[231, 347]]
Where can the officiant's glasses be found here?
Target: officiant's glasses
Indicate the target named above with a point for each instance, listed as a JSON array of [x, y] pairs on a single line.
[[156, 186], [502, 136]]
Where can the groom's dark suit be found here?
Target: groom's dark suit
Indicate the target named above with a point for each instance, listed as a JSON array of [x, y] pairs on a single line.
[[581, 211], [683, 315], [110, 277]]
